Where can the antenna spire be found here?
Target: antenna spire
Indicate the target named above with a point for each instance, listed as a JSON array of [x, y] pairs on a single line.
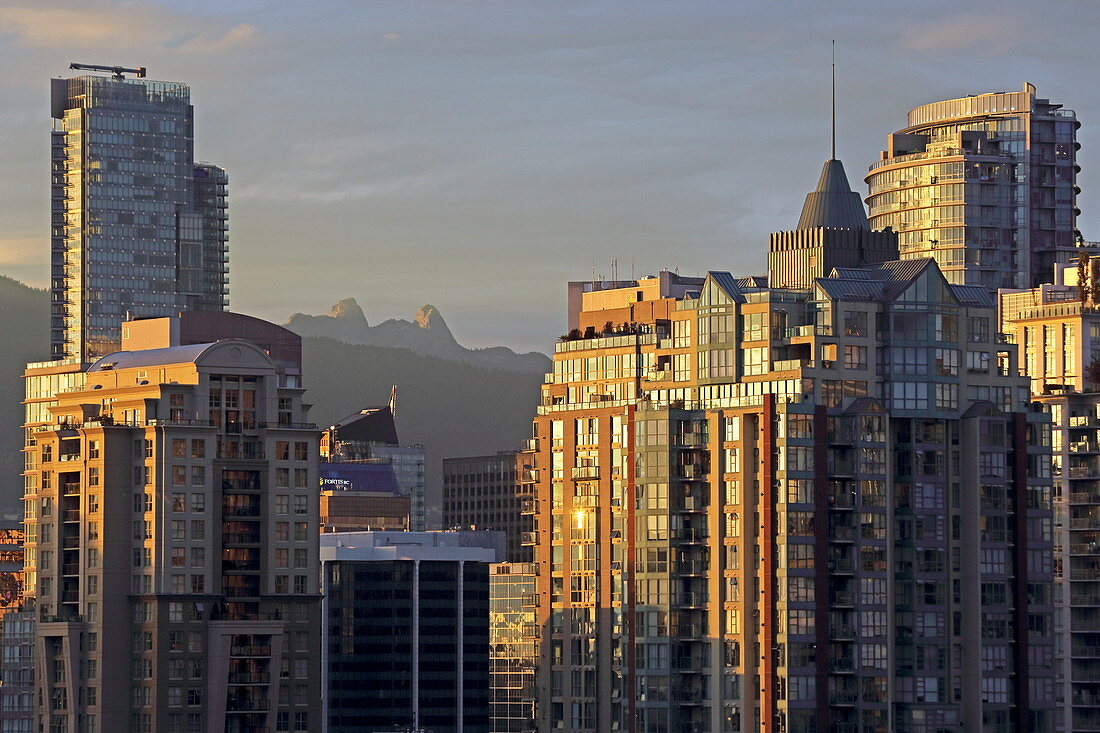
[[832, 155]]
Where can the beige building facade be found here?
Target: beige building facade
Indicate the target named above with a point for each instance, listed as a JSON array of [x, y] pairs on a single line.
[[172, 556]]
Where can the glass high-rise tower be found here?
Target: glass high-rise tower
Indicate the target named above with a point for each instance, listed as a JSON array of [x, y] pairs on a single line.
[[138, 229], [985, 184]]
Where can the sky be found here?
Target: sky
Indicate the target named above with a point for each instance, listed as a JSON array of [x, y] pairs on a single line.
[[478, 154]]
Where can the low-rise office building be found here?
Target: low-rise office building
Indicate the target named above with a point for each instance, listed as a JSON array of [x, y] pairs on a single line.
[[406, 630]]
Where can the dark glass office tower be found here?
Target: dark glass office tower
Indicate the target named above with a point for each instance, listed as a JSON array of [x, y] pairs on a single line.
[[128, 236], [406, 636]]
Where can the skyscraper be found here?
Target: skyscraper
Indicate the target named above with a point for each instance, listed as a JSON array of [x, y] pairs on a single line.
[[1057, 328], [172, 552], [985, 184], [138, 229], [818, 508]]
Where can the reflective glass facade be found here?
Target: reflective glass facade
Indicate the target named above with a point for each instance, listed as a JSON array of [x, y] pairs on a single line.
[[984, 184], [513, 647], [124, 221]]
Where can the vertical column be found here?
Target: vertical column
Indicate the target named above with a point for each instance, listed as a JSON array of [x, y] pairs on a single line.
[[768, 562], [821, 562], [1019, 520]]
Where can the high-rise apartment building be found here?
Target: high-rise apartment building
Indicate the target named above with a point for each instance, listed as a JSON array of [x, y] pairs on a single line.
[[985, 184], [494, 492], [1057, 328], [793, 509], [406, 630], [172, 553], [138, 229]]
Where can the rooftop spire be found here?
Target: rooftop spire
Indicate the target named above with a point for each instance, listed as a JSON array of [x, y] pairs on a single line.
[[833, 204]]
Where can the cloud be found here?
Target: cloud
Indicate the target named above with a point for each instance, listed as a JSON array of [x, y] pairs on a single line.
[[239, 35], [60, 27], [131, 26], [995, 34]]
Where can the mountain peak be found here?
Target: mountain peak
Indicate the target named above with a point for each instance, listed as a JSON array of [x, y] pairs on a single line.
[[348, 309], [428, 317]]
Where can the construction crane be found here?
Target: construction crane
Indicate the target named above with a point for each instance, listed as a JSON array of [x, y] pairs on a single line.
[[118, 71]]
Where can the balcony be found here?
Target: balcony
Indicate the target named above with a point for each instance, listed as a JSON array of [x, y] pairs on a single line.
[[1084, 446], [842, 665], [529, 506], [529, 538], [585, 473], [842, 534], [1084, 523], [690, 600], [843, 697], [691, 567], [1084, 574], [842, 566], [691, 535], [842, 598], [842, 631], [692, 471], [249, 678], [1084, 599], [1084, 472], [241, 454], [1084, 497], [241, 538]]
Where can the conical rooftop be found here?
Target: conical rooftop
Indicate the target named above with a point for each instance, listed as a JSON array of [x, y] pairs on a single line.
[[833, 205]]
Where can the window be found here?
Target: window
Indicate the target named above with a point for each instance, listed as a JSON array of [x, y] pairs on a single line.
[[179, 502], [855, 357], [198, 503], [755, 361], [301, 451], [198, 475], [179, 448], [198, 448], [282, 450], [282, 504], [282, 531], [910, 395], [179, 475], [301, 505]]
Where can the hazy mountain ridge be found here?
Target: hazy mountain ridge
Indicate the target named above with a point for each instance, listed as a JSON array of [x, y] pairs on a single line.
[[447, 401], [25, 333], [452, 409], [427, 334]]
